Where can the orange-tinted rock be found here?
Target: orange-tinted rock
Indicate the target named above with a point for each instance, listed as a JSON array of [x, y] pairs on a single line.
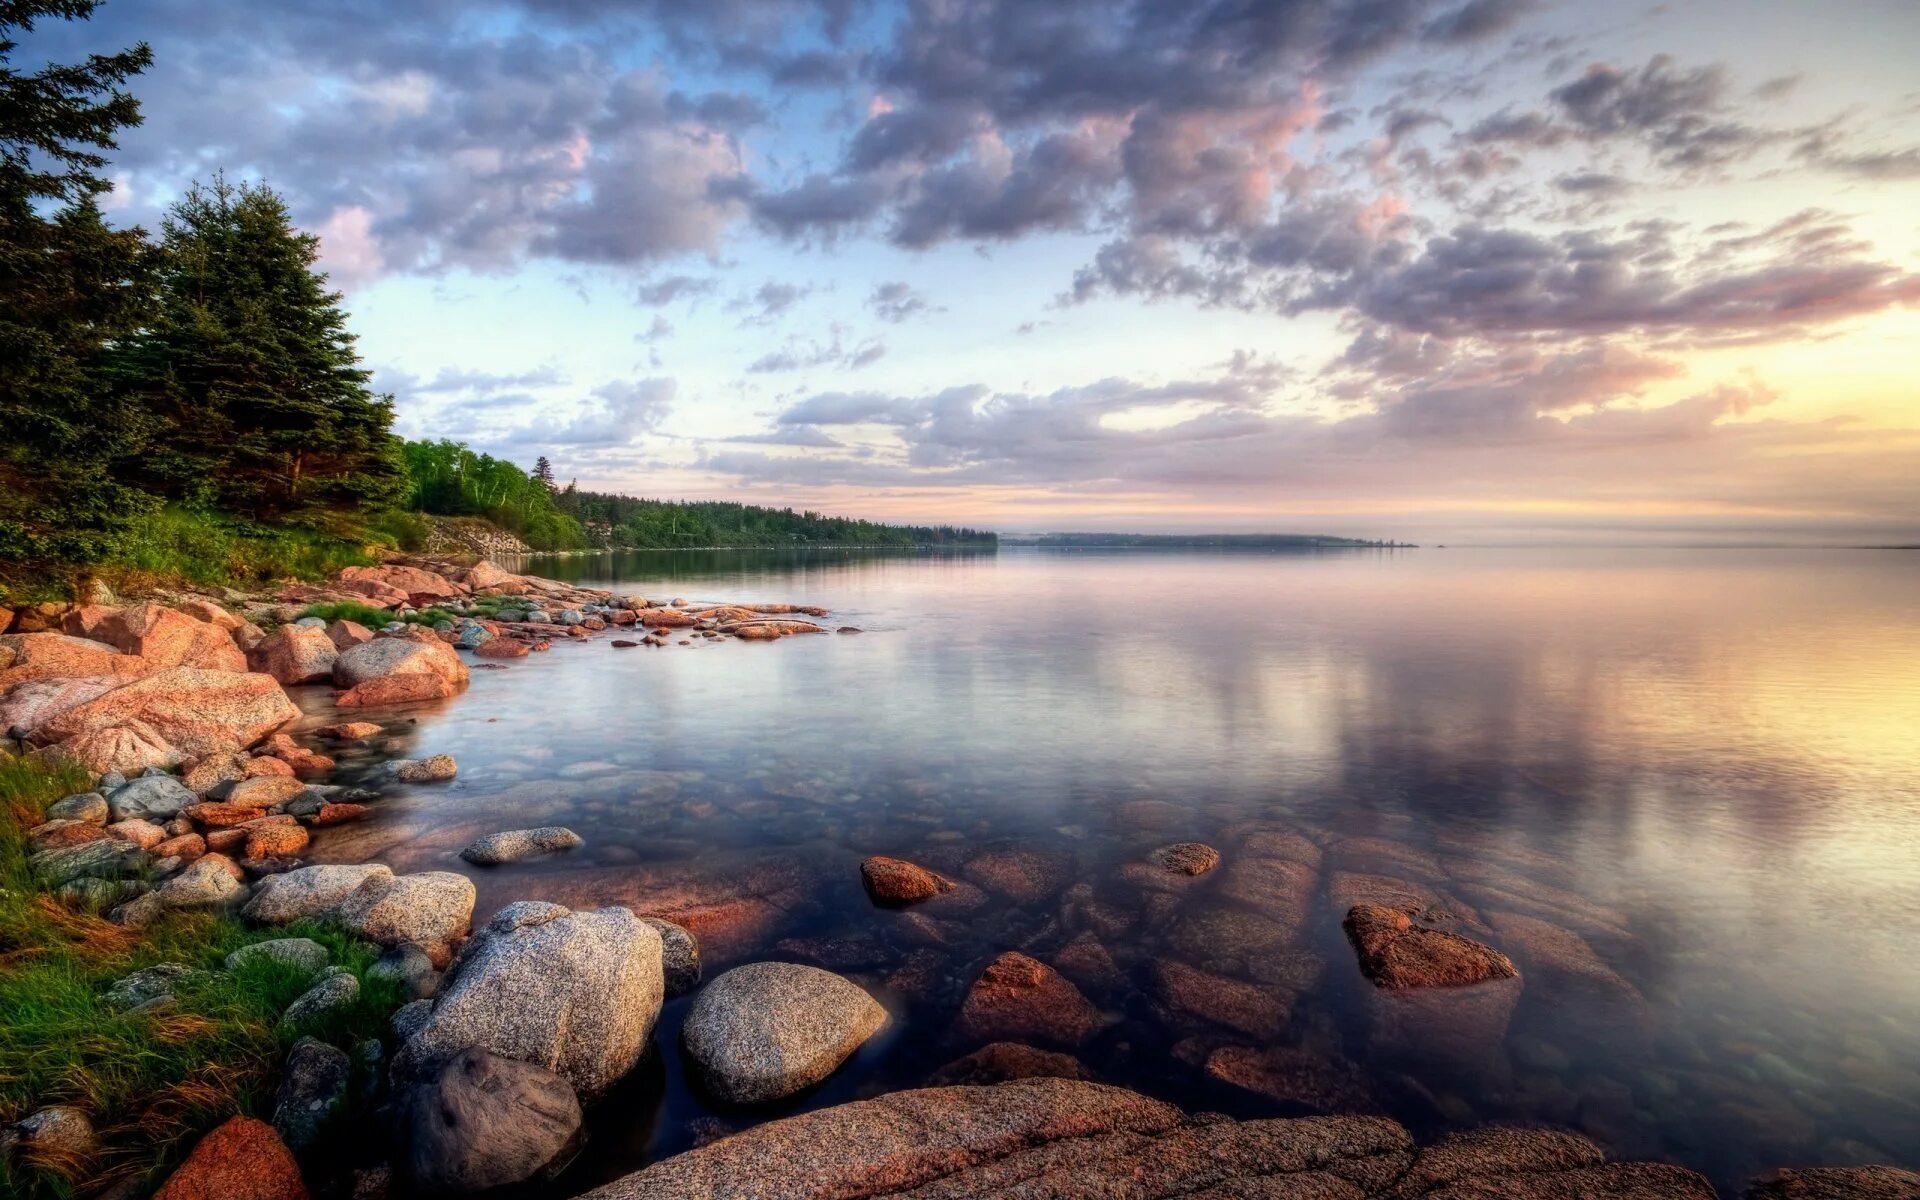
[[186, 847], [264, 791], [501, 647], [1022, 999], [195, 711], [46, 655], [1024, 876], [338, 814], [275, 841], [395, 689], [165, 638], [220, 815], [1002, 1062], [1257, 1010], [347, 633], [351, 731], [767, 631], [212, 614], [226, 840], [1187, 858], [28, 705], [373, 592], [59, 836], [1396, 953], [260, 765], [399, 670], [667, 618], [214, 769], [422, 587], [896, 881], [144, 834], [128, 749], [243, 1159], [1837, 1183], [84, 620], [1293, 1075], [296, 654]]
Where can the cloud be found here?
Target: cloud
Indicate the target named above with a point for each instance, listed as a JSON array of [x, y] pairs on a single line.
[[616, 415], [898, 301], [659, 293], [768, 302]]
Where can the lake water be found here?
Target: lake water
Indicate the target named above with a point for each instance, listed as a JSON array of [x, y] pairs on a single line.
[[1680, 787]]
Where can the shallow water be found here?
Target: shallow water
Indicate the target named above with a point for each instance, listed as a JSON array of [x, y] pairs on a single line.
[[1682, 788]]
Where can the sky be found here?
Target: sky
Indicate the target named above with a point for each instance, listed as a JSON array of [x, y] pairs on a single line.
[[1497, 270]]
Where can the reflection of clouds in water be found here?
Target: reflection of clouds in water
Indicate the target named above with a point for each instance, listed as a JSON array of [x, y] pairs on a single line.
[[1690, 763]]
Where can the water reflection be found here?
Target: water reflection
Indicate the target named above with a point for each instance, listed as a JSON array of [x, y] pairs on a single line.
[[1681, 788]]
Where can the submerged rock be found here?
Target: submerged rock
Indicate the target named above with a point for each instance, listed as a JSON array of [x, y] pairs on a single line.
[[767, 1030], [1187, 858], [1003, 1062], [1396, 953], [1018, 999], [512, 845], [484, 1121], [1837, 1183], [896, 881]]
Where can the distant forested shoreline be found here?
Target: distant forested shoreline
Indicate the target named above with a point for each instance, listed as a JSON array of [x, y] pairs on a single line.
[[1218, 541]]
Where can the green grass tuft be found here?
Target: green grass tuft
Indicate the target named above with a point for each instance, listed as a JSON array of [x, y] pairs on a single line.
[[374, 618], [154, 1082]]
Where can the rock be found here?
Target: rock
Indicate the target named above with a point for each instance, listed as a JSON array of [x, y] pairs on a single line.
[[61, 834], [260, 791], [336, 989], [165, 638], [308, 892], [423, 588], [347, 634], [896, 881], [1003, 1062], [436, 769], [485, 1121], [1837, 1183], [130, 747], [147, 988], [296, 654], [409, 1019], [303, 953], [1024, 876], [275, 841], [352, 731], [1293, 1075], [1187, 858], [105, 858], [679, 957], [212, 614], [144, 834], [87, 807], [1255, 1010], [337, 814], [1395, 953], [387, 658], [313, 1082], [185, 846], [58, 1134], [411, 968], [502, 647], [154, 797], [25, 707], [515, 844], [243, 1159], [196, 712], [30, 656], [210, 881], [1018, 998], [208, 772], [767, 1030], [431, 909], [576, 993], [379, 595]]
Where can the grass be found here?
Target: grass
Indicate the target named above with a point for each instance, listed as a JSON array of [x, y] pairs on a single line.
[[151, 1083], [181, 546], [374, 618]]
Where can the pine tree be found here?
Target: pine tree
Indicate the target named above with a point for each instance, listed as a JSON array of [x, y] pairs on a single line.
[[72, 288], [543, 472], [250, 364]]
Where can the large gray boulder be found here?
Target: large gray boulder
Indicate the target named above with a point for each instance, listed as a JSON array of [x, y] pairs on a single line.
[[679, 957], [576, 993], [767, 1030], [512, 845], [151, 798], [307, 892], [107, 858], [482, 1122], [432, 910], [303, 953]]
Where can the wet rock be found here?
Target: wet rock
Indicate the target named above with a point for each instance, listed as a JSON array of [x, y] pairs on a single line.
[[155, 797], [896, 881], [351, 731], [243, 1159], [1255, 1010], [1396, 953], [411, 968], [304, 953], [1293, 1075], [576, 993], [501, 647], [435, 769], [146, 989], [1187, 858], [336, 989], [768, 1030], [679, 957], [1280, 889], [1024, 876], [515, 844], [1086, 961], [398, 670], [275, 841], [209, 771], [1003, 1062], [484, 1121], [1837, 1183], [313, 1082], [1229, 939], [195, 712], [165, 638], [296, 654], [1562, 966], [1020, 999]]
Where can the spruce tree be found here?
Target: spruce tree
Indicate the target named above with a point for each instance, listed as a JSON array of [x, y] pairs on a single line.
[[72, 287], [249, 363], [543, 472]]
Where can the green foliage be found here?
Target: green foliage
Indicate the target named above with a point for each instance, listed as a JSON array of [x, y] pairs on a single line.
[[649, 524], [247, 361], [208, 548], [374, 618], [154, 1081], [448, 479], [73, 288]]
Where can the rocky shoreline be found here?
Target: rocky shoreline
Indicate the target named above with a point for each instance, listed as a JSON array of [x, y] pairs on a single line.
[[177, 709]]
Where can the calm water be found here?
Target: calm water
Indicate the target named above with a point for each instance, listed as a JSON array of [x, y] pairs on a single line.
[[1681, 787]]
